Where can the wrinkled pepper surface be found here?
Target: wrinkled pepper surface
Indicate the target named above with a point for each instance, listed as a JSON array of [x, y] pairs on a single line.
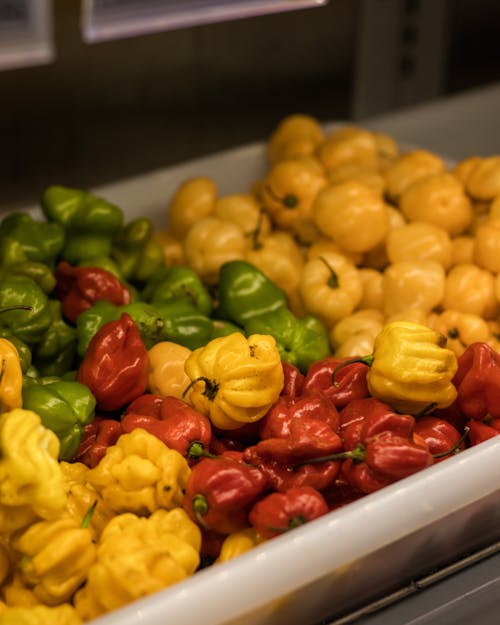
[[54, 354], [23, 238], [178, 282], [11, 377], [30, 322]]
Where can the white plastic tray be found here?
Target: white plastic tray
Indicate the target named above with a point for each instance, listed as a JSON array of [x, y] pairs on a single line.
[[349, 557]]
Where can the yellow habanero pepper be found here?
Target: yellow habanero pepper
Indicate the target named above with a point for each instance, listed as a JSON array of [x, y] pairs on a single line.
[[140, 474], [173, 252], [411, 368], [483, 180], [487, 244], [460, 328], [194, 199], [166, 375], [471, 289], [359, 328], [348, 144], [296, 135], [330, 287], [40, 615], [138, 556], [237, 543], [409, 167], [419, 240], [11, 377], [245, 210], [31, 482], [235, 379], [287, 193], [55, 558], [210, 242]]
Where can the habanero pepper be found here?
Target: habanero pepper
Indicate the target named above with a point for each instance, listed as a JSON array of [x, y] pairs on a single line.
[[479, 431], [350, 380], [97, 436], [220, 492], [442, 438], [478, 382], [293, 380], [278, 513], [79, 287], [115, 366]]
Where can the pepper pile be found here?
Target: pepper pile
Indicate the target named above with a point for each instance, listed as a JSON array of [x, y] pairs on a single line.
[[196, 404]]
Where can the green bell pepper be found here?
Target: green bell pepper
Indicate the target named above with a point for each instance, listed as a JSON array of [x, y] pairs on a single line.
[[223, 328], [244, 292], [23, 238], [27, 325], [300, 340], [39, 272], [89, 222], [171, 283], [148, 319], [55, 353], [64, 407], [136, 250], [184, 324]]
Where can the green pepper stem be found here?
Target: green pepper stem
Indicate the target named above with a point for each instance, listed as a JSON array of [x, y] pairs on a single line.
[[256, 232], [456, 447], [196, 450], [288, 201], [88, 516], [20, 307], [293, 522], [333, 280], [199, 505], [366, 360], [356, 455]]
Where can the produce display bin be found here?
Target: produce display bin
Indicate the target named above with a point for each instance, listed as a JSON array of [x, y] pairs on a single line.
[[350, 557]]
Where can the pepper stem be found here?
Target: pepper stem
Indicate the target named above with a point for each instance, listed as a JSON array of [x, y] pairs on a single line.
[[289, 200], [199, 504], [211, 387], [356, 455], [20, 307], [293, 522], [333, 280], [366, 360], [88, 516], [256, 232], [456, 447], [197, 450]]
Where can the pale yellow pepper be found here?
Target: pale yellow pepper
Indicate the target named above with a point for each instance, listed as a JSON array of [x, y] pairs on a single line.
[[462, 249], [140, 474], [235, 379], [193, 199], [483, 181], [287, 193], [366, 174], [460, 328], [464, 167], [210, 242], [296, 135], [471, 289], [40, 615], [238, 543], [245, 210], [387, 150], [356, 345], [409, 167], [55, 558], [352, 215], [368, 321], [137, 557], [166, 375], [377, 257], [349, 144], [173, 252], [330, 287], [11, 377], [419, 240], [487, 245], [325, 244], [413, 284], [31, 482], [371, 280], [411, 368], [439, 199]]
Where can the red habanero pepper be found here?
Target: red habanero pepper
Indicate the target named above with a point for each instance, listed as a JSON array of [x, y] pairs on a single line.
[[276, 423], [98, 435], [368, 416], [80, 287], [350, 380], [478, 382], [220, 492], [115, 366], [293, 380], [440, 436], [179, 426], [148, 404], [482, 430], [340, 492], [278, 513]]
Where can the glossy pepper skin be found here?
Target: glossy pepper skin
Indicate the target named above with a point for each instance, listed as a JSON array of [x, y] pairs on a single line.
[[11, 377], [160, 550], [27, 325], [184, 324], [65, 407], [411, 368], [39, 272], [89, 222], [178, 425], [440, 436], [244, 292], [115, 366], [220, 492], [79, 287], [178, 282], [31, 482], [97, 436], [54, 354], [235, 379], [23, 351], [478, 382], [278, 513], [301, 340], [137, 251], [147, 318], [23, 238]]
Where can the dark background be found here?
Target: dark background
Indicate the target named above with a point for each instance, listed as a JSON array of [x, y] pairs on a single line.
[[110, 110]]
